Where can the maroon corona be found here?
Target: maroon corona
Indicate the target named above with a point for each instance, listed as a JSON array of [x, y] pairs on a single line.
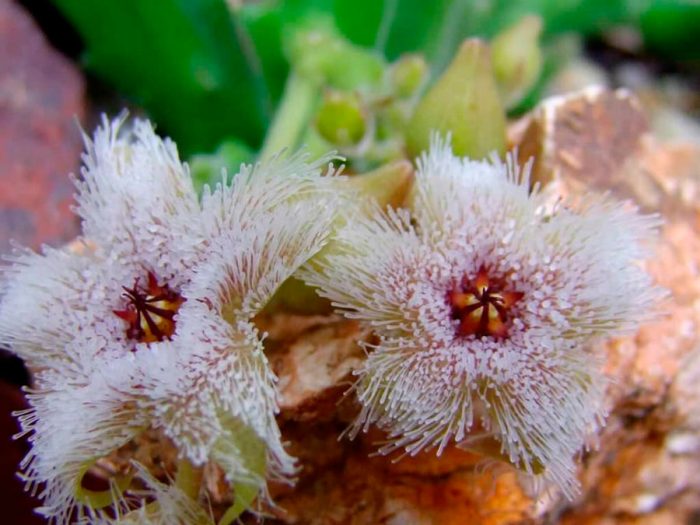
[[150, 312], [483, 307]]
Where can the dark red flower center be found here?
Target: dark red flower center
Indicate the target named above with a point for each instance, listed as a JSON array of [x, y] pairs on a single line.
[[150, 311], [482, 307]]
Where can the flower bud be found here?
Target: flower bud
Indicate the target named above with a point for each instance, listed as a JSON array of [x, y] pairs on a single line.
[[319, 51], [387, 185], [463, 102], [407, 75], [340, 119], [517, 59]]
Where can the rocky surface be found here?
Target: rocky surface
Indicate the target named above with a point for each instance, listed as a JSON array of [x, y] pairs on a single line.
[[41, 103]]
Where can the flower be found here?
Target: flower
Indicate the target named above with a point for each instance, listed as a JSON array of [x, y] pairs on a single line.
[[149, 323], [485, 302]]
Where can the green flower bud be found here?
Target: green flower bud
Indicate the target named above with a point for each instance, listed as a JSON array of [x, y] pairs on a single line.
[[517, 59], [340, 119], [407, 75], [464, 102], [319, 51], [390, 120]]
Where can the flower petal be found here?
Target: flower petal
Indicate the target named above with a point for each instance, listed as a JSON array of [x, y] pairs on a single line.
[[70, 426], [136, 199]]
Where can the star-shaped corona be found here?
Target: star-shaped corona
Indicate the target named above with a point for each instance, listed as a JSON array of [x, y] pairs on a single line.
[[487, 302], [482, 307], [150, 312], [146, 322]]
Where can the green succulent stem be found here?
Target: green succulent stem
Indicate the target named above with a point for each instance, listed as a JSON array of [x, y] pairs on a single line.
[[293, 113]]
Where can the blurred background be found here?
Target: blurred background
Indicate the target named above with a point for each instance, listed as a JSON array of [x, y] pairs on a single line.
[[234, 81]]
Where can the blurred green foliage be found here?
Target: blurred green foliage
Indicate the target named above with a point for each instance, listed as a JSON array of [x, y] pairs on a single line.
[[210, 71], [182, 60]]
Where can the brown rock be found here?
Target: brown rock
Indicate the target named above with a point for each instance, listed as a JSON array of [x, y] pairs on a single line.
[[585, 138], [646, 469], [41, 101], [317, 369], [358, 488]]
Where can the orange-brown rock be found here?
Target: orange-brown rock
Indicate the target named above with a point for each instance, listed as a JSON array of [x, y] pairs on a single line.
[[585, 137], [646, 469]]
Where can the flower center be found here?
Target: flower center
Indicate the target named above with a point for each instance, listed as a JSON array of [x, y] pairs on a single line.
[[482, 307], [150, 311]]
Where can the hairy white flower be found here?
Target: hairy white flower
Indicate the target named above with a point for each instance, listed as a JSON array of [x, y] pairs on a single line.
[[485, 304], [149, 324]]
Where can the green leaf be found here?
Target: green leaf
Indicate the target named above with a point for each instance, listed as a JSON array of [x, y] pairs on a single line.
[[183, 60], [437, 28], [392, 27], [672, 28]]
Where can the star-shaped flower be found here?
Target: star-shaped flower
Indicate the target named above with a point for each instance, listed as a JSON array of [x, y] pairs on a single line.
[[486, 302], [149, 324]]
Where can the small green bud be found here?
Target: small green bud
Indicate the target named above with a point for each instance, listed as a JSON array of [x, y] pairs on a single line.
[[407, 75], [517, 59], [319, 51], [340, 119], [390, 120], [464, 102]]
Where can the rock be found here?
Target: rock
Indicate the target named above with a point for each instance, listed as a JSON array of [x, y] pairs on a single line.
[[41, 102], [584, 137], [356, 487], [646, 468]]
